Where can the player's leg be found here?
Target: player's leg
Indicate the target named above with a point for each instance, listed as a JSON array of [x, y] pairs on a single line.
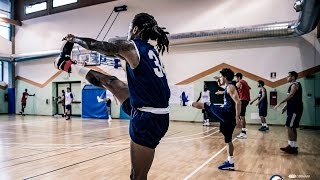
[[141, 160], [227, 131], [243, 133]]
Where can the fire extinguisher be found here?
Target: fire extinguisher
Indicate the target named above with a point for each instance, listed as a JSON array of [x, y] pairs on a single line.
[[273, 98]]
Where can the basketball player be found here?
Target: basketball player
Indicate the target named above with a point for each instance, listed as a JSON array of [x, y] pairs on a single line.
[[244, 94], [147, 83], [68, 102], [108, 99], [228, 113], [262, 105], [205, 98], [24, 98], [62, 101], [294, 108]]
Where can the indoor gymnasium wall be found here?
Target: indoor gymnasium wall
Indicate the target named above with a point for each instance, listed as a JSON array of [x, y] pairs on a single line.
[[310, 84], [258, 57], [39, 77], [3, 103], [5, 46], [45, 33]]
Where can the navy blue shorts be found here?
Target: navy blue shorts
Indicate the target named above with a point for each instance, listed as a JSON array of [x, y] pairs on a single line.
[[146, 128], [263, 110], [293, 119], [244, 104], [68, 107], [227, 120]]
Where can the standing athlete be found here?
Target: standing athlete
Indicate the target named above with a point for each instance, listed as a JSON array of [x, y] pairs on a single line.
[[294, 108], [262, 105], [205, 98], [24, 98], [244, 94], [146, 97], [228, 113]]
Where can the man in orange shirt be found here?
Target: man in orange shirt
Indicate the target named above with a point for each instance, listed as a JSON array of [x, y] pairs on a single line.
[[25, 95], [244, 94]]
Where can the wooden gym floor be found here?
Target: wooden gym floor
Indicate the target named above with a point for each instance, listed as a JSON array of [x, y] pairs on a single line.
[[41, 147]]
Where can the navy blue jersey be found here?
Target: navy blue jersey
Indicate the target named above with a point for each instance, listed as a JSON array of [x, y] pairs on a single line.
[[229, 104], [148, 86], [265, 99], [295, 103]]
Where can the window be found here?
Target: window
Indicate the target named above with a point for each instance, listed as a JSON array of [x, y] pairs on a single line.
[[57, 3], [5, 11], [36, 7]]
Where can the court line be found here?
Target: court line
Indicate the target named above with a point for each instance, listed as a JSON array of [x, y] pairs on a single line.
[[76, 163], [101, 144], [206, 162], [65, 134], [41, 158], [58, 149], [190, 134]]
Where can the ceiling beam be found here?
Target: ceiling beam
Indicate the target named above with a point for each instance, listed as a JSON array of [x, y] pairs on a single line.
[[10, 21]]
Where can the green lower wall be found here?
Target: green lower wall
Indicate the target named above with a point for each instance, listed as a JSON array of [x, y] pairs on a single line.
[[3, 104], [311, 114]]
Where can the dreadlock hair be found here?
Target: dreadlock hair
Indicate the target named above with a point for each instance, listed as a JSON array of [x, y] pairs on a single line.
[[149, 29]]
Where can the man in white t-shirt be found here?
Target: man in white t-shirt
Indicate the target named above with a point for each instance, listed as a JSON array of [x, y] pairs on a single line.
[[68, 101], [108, 99], [205, 98]]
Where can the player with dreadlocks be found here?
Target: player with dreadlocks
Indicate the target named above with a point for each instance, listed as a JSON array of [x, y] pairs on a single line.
[[146, 97]]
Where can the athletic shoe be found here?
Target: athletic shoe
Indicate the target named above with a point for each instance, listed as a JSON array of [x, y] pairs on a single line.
[[290, 150], [266, 128], [64, 62], [226, 166], [207, 123], [262, 128], [242, 136], [68, 118]]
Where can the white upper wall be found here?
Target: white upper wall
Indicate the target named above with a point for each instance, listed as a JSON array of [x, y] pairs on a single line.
[[45, 33], [259, 57], [5, 46]]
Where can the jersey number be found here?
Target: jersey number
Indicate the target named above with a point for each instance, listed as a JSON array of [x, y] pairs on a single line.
[[159, 71]]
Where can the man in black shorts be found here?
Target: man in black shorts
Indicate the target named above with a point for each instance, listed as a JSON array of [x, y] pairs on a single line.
[[228, 114], [294, 108]]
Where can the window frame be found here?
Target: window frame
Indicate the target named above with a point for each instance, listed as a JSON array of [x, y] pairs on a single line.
[[42, 10]]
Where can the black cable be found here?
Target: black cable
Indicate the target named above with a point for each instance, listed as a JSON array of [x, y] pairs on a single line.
[[104, 24], [111, 26]]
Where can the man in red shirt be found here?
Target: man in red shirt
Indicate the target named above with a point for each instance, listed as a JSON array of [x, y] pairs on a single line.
[[25, 95], [244, 94]]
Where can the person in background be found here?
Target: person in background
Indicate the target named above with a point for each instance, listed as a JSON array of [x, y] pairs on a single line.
[[62, 101], [68, 102], [262, 105], [24, 98], [205, 98]]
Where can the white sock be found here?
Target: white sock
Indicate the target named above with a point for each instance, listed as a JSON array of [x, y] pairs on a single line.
[[82, 71], [243, 129], [295, 143], [109, 116], [230, 159], [291, 143], [262, 124], [265, 124]]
